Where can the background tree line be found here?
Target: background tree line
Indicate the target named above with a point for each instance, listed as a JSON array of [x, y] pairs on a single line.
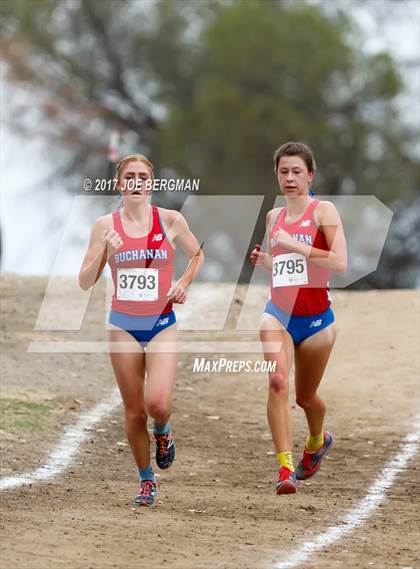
[[209, 89]]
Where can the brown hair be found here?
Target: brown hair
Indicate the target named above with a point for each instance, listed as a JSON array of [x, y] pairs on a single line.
[[132, 158], [295, 149]]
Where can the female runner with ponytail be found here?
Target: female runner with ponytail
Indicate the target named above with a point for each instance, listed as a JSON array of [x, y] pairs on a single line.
[[305, 242], [138, 242]]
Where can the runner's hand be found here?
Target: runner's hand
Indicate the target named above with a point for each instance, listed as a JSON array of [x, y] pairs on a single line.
[[283, 239], [112, 241], [178, 293], [257, 257]]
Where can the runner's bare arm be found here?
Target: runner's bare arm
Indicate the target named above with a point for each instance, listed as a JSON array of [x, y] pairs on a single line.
[[331, 226], [183, 236], [258, 258], [329, 222], [269, 222], [101, 237]]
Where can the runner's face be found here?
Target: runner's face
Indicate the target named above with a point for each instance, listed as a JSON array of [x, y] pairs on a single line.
[[293, 176], [135, 181]]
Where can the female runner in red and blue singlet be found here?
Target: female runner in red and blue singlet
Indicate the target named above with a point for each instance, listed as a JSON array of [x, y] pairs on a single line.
[[138, 241], [305, 243]]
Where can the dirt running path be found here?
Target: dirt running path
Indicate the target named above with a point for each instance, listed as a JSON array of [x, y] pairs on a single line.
[[217, 508]]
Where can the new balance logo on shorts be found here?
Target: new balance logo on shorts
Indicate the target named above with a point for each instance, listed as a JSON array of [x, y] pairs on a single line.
[[305, 223], [162, 322], [157, 237], [315, 323]]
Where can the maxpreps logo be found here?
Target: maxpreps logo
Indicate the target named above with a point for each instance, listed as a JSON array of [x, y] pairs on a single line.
[[305, 223], [157, 237]]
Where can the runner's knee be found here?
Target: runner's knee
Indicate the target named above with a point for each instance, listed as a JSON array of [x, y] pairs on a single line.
[[279, 383], [304, 401], [135, 418], [159, 408]]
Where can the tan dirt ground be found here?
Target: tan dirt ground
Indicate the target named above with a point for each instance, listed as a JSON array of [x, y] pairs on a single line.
[[217, 507]]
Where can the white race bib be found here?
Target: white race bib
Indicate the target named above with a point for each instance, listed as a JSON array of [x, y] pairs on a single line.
[[290, 270], [137, 284]]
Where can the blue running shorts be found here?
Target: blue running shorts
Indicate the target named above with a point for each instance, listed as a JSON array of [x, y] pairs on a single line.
[[142, 328], [300, 327]]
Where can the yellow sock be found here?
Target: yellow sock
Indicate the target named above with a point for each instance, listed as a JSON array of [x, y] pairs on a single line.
[[314, 443], [285, 459]]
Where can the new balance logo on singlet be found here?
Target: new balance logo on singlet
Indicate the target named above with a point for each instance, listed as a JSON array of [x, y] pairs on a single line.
[[305, 223], [157, 237]]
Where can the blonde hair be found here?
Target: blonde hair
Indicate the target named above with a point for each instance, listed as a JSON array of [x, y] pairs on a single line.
[[133, 158]]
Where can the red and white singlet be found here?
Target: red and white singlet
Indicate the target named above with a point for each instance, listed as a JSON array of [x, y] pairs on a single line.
[[142, 270], [298, 286]]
